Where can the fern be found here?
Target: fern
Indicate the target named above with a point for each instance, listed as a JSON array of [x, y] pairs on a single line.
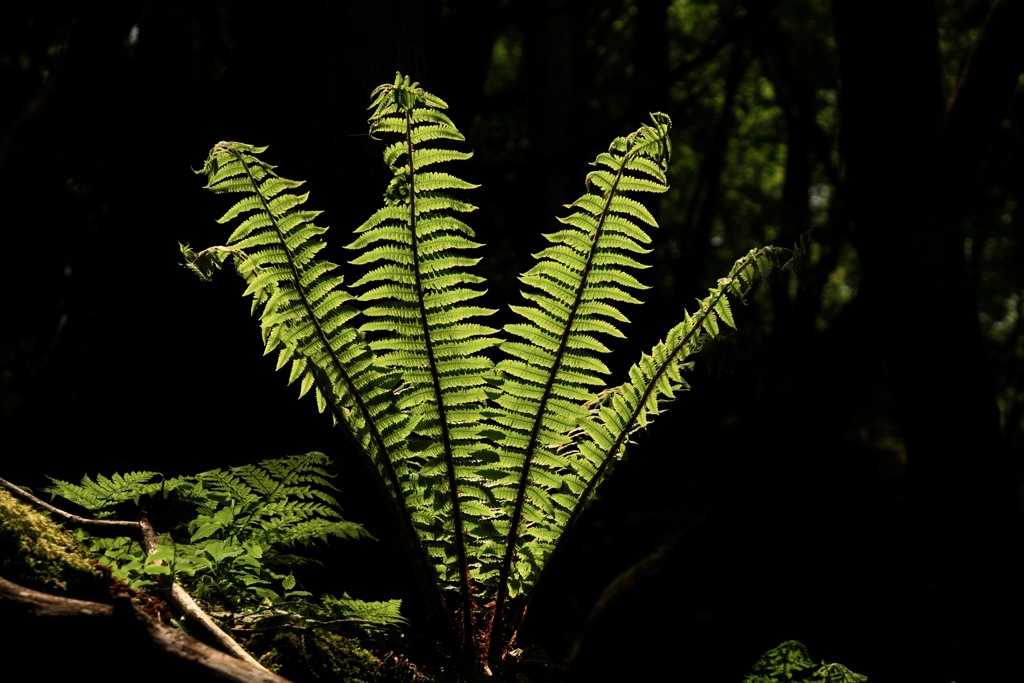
[[103, 494], [573, 298], [490, 443], [236, 550], [618, 414], [306, 314], [283, 502], [309, 319], [789, 661]]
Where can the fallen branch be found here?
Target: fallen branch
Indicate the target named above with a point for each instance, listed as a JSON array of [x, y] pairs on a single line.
[[82, 632]]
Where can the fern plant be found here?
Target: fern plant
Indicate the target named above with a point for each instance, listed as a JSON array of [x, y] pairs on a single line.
[[789, 661], [490, 443], [234, 548]]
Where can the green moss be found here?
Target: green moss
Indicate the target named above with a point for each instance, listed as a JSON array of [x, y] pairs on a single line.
[[37, 553], [320, 656]]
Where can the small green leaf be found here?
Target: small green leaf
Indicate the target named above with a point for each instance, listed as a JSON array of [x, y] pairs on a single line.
[[206, 530]]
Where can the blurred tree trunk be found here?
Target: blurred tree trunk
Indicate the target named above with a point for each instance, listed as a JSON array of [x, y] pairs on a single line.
[[904, 211]]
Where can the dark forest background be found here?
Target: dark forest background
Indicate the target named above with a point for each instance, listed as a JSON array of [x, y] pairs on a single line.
[[846, 471]]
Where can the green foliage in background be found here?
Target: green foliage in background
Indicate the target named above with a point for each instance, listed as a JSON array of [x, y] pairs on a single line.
[[232, 544], [789, 661]]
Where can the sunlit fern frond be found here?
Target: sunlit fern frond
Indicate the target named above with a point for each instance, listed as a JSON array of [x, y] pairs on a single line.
[[488, 465], [423, 320], [297, 477], [658, 377], [574, 295], [305, 477], [306, 315], [102, 494]]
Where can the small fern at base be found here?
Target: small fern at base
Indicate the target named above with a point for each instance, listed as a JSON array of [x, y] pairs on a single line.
[[102, 494], [789, 661], [235, 549]]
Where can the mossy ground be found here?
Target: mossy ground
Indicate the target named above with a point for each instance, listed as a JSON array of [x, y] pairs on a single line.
[[37, 553]]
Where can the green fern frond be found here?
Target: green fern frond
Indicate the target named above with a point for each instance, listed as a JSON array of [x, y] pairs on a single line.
[[306, 314], [282, 501], [224, 486], [790, 661], [658, 377], [301, 477], [288, 532], [381, 613], [422, 319], [102, 494], [573, 297], [574, 294], [487, 464]]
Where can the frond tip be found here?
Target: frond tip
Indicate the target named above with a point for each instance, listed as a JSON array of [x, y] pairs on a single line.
[[103, 493]]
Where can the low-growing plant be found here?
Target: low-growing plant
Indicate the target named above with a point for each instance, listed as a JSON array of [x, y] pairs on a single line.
[[490, 443], [789, 661], [232, 546]]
